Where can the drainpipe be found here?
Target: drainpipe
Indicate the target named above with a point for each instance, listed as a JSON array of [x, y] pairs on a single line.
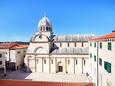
[[97, 62]]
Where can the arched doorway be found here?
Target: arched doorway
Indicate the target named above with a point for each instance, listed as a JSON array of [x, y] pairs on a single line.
[[59, 67]]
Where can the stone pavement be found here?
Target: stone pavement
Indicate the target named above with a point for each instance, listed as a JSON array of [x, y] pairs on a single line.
[[53, 77], [58, 77]]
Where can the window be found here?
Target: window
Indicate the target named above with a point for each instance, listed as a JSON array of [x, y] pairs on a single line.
[[90, 44], [82, 44], [100, 61], [94, 44], [90, 55], [44, 61], [68, 61], [60, 44], [40, 28], [0, 55], [107, 66], [18, 52], [101, 45], [47, 29], [76, 62], [95, 58], [0, 62], [75, 44], [68, 44], [109, 46], [51, 61], [84, 62], [53, 45]]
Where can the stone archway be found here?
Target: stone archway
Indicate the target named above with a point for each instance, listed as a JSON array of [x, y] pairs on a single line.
[[59, 67]]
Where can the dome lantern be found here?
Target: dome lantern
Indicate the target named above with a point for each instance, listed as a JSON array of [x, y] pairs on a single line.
[[45, 25]]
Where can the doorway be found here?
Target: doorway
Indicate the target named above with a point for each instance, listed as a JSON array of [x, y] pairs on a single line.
[[60, 68]]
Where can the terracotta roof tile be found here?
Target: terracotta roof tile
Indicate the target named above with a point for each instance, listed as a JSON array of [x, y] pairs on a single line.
[[33, 83], [12, 46], [19, 46], [7, 45], [108, 36]]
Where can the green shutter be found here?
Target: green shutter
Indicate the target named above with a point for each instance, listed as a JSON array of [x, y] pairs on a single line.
[[109, 46], [94, 58], [100, 61], [90, 44], [90, 55], [94, 44], [107, 67], [101, 45]]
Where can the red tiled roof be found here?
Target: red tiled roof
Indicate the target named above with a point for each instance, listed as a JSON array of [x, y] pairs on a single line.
[[7, 45], [33, 83], [108, 36], [19, 46], [12, 46]]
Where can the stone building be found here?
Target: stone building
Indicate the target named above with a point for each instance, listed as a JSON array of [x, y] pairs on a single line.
[[3, 62], [14, 54], [53, 54], [102, 60]]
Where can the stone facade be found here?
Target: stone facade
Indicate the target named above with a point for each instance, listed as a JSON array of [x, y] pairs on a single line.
[[53, 54], [3, 62], [102, 60]]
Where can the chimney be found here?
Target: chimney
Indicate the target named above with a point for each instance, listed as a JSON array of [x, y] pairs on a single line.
[[113, 31]]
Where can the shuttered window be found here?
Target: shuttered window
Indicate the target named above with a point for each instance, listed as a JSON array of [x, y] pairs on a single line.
[[100, 61], [0, 55], [109, 46], [0, 62], [107, 66], [101, 45], [94, 44], [90, 44], [95, 58], [90, 55]]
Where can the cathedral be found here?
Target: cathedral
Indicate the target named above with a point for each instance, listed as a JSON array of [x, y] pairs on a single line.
[[53, 54]]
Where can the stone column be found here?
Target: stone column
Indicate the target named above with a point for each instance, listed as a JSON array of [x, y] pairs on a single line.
[[28, 66], [35, 62], [74, 64], [56, 65], [49, 64], [66, 65], [42, 65], [82, 65]]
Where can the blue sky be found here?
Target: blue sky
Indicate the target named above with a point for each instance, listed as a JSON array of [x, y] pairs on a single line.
[[19, 18]]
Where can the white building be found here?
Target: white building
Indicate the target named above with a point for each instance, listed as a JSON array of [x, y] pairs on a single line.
[[3, 62], [53, 54], [14, 54], [102, 60]]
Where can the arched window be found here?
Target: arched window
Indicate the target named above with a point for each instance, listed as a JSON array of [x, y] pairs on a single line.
[[76, 62], [40, 28], [44, 61], [47, 29], [44, 28]]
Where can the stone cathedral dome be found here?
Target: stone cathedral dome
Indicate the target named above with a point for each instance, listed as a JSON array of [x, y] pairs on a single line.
[[45, 24]]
